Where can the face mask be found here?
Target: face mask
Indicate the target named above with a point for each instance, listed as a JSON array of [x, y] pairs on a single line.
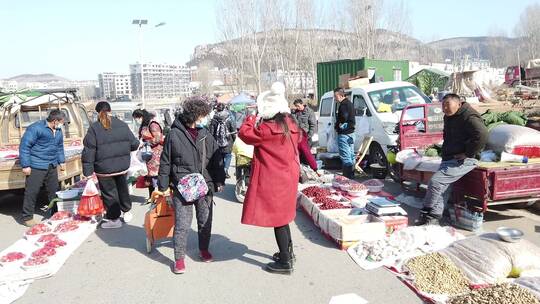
[[58, 126], [138, 121], [202, 123]]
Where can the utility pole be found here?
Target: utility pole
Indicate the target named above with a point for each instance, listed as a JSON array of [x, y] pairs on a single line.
[[140, 23]]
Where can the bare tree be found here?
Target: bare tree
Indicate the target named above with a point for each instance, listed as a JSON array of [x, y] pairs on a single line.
[[291, 36], [233, 31], [528, 29]]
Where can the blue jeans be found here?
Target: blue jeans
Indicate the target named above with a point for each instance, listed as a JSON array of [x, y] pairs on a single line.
[[346, 149], [440, 186], [226, 161]]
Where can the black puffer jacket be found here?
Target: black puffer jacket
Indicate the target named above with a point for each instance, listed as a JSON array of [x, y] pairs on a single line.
[[230, 125], [182, 156], [464, 132], [108, 151]]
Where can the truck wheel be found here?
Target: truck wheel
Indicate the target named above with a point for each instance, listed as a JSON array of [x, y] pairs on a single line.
[[377, 156], [239, 191]]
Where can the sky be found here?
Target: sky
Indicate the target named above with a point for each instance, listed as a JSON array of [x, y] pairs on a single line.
[[78, 39]]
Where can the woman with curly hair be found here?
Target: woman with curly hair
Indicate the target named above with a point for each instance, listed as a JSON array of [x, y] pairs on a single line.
[[189, 148]]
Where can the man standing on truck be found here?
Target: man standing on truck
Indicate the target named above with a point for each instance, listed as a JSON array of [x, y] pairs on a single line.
[[306, 119], [465, 136], [345, 121], [41, 151]]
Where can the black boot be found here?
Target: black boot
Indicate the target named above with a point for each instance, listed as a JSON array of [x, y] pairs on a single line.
[[427, 218], [276, 258], [280, 267], [350, 171], [345, 171]]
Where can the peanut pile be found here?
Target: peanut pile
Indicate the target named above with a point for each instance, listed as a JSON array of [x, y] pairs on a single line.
[[436, 274], [497, 294]]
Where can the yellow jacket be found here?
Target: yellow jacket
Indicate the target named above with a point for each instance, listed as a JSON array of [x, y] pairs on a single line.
[[242, 151]]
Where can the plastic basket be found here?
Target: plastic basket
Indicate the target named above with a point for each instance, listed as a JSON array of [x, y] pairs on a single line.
[[466, 219], [71, 206], [378, 171]]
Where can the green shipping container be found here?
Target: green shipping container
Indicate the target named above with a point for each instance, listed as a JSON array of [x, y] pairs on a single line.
[[388, 70]]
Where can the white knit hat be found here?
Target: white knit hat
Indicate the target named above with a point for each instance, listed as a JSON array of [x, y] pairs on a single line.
[[272, 102]]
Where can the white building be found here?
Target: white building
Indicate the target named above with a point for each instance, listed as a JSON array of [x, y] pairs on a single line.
[[296, 82], [161, 81], [9, 85], [114, 85]]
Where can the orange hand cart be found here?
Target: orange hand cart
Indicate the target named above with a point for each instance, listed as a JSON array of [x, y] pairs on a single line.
[[159, 220]]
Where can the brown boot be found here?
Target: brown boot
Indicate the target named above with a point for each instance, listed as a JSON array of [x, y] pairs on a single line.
[[30, 223]]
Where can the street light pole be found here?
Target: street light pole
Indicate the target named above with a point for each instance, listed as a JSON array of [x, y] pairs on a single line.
[[140, 23]]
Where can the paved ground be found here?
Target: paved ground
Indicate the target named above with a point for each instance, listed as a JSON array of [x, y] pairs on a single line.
[[113, 266]]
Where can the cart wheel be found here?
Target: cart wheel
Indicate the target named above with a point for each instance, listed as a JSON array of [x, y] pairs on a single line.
[[148, 245], [239, 191]]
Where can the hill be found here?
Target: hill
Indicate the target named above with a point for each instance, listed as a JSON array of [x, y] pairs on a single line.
[[501, 51], [38, 78]]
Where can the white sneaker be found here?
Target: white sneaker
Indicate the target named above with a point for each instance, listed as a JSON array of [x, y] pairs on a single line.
[[112, 224], [128, 216]]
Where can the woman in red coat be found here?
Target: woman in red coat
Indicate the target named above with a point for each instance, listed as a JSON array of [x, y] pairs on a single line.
[[271, 197]]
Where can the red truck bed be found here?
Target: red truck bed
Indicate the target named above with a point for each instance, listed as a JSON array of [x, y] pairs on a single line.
[[488, 184]]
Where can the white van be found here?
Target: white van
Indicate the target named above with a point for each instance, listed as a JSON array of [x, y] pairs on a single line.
[[123, 110], [378, 110]]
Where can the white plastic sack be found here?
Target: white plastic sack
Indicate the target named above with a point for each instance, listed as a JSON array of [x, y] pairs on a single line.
[[307, 174], [331, 140], [506, 137], [485, 259], [137, 167], [402, 155], [90, 189]]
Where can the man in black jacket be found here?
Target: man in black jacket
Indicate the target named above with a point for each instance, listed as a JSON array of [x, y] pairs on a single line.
[[465, 135], [223, 128], [306, 118], [345, 121]]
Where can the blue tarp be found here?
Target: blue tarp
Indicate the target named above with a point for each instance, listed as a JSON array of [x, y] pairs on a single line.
[[242, 98]]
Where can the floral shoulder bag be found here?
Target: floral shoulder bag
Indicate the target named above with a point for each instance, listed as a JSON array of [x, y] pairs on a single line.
[[193, 186]]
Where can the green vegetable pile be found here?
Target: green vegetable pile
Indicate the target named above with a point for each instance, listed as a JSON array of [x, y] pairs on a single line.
[[431, 152], [493, 119]]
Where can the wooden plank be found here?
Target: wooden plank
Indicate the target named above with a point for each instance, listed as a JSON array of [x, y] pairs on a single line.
[[11, 176]]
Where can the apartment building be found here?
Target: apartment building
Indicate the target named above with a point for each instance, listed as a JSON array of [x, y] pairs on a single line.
[[115, 85], [161, 81]]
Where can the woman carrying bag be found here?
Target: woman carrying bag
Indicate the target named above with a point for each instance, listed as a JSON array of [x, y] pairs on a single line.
[[271, 197], [151, 133], [107, 148], [192, 166]]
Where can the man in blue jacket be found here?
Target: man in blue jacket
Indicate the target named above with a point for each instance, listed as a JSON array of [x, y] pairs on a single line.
[[40, 152]]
